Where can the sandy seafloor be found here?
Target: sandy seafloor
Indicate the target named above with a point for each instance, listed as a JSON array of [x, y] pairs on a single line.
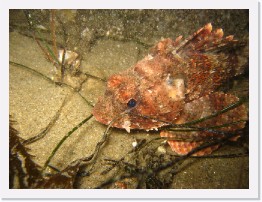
[[34, 100]]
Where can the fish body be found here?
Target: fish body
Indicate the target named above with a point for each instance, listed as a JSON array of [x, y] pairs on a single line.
[[175, 84]]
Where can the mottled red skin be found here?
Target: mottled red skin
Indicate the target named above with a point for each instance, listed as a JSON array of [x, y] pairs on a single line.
[[177, 83]]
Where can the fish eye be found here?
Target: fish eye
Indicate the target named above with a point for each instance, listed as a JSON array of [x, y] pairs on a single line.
[[131, 103]]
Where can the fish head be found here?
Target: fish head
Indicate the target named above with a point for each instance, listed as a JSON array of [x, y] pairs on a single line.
[[142, 97]]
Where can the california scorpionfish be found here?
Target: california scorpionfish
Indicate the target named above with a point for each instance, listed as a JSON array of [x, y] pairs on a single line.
[[178, 83]]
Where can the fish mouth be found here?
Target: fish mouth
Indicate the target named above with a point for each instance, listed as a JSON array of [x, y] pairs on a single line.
[[105, 115], [101, 119], [101, 113]]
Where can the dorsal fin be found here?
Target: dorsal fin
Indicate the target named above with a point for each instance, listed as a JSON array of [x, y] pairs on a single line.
[[198, 35], [204, 40]]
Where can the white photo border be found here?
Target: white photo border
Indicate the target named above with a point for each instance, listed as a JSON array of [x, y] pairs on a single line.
[[254, 174]]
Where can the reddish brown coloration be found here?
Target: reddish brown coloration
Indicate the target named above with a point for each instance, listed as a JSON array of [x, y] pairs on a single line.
[[120, 185], [177, 83], [203, 107]]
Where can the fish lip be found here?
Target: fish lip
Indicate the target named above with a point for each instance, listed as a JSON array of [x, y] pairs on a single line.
[[101, 120], [96, 113]]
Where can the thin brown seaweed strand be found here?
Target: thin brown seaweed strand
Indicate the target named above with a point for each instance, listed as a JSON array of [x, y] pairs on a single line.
[[92, 158], [141, 173], [227, 108], [64, 139], [192, 129], [104, 138], [53, 31], [211, 129], [47, 128], [195, 150], [188, 124], [52, 81], [48, 52]]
